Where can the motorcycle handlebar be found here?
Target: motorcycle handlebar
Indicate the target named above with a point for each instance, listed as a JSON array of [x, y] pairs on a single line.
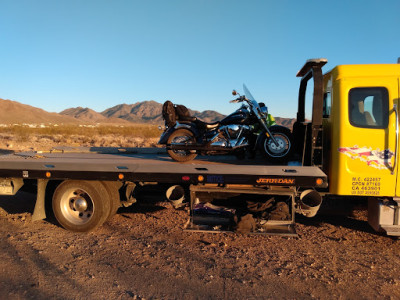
[[237, 100]]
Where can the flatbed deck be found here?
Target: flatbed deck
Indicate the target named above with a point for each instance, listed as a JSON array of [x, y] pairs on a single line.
[[152, 165]]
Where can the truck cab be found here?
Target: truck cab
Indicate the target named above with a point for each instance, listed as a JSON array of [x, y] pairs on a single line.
[[354, 132], [360, 112]]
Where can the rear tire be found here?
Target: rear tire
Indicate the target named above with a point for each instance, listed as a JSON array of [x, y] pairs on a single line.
[[112, 188], [182, 136], [81, 206]]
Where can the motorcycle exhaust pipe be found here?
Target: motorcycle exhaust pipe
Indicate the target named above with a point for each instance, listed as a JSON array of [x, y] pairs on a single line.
[[200, 147], [176, 194], [240, 142], [310, 202]]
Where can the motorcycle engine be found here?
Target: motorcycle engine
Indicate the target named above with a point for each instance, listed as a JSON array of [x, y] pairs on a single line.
[[233, 135], [231, 131]]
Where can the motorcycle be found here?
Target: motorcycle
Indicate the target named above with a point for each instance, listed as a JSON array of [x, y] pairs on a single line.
[[248, 129]]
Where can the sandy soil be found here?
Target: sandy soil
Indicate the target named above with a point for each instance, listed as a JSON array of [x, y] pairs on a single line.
[[144, 253]]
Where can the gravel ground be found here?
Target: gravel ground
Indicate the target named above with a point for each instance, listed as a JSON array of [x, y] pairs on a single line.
[[144, 253]]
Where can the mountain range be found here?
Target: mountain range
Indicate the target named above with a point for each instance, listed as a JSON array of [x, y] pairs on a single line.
[[140, 112], [13, 112]]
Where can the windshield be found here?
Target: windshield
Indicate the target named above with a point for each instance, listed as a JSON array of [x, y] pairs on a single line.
[[249, 96], [247, 93]]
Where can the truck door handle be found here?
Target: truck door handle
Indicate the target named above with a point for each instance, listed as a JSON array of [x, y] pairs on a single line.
[[397, 137]]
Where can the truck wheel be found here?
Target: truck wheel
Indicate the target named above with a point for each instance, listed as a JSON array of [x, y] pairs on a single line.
[[182, 136], [112, 188], [281, 152], [81, 206]]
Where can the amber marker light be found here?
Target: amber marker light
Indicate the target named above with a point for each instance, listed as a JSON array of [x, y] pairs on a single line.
[[200, 178], [121, 176], [319, 181], [48, 174]]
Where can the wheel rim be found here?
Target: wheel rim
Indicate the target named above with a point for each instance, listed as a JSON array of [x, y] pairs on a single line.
[[77, 206], [183, 139], [279, 150]]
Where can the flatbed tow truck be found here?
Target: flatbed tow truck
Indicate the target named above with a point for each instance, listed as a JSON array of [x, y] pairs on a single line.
[[98, 177], [86, 187]]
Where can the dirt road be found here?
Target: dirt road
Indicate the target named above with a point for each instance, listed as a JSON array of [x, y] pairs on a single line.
[[144, 253]]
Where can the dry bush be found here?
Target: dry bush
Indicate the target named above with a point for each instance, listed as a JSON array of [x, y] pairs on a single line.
[[24, 137], [135, 130]]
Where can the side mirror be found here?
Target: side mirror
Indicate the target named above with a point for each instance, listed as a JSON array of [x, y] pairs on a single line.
[[234, 93]]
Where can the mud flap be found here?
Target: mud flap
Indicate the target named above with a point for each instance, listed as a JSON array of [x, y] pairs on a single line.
[[39, 213]]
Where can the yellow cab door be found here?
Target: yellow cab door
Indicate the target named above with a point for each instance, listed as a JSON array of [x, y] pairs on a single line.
[[366, 137]]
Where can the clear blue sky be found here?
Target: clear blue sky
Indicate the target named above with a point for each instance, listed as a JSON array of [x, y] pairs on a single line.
[[100, 53]]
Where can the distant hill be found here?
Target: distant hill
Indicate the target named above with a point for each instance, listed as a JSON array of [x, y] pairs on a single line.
[[141, 112], [150, 112], [87, 115], [13, 112], [287, 122]]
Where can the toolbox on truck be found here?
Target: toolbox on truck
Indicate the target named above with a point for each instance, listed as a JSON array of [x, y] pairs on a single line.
[[264, 211]]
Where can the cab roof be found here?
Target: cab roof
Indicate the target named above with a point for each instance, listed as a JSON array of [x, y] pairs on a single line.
[[371, 70]]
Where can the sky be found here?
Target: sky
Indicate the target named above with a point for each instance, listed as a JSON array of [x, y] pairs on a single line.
[[58, 54]]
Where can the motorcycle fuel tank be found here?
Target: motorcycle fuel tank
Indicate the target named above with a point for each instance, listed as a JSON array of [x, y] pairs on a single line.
[[240, 116]]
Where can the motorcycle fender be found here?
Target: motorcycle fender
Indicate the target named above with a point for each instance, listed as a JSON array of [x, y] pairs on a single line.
[[190, 127], [166, 134]]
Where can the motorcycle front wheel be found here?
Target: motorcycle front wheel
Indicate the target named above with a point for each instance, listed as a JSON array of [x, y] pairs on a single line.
[[181, 136], [280, 152]]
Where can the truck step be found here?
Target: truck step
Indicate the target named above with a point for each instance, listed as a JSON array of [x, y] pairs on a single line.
[[393, 230]]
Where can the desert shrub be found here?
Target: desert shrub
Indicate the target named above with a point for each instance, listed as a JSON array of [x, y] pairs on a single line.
[[23, 133]]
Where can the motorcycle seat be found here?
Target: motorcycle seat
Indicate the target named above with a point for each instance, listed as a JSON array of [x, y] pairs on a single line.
[[208, 125], [187, 118]]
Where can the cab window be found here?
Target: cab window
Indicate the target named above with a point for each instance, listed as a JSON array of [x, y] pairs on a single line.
[[368, 107], [327, 105]]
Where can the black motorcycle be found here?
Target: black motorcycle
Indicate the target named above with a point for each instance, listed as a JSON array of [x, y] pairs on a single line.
[[245, 130]]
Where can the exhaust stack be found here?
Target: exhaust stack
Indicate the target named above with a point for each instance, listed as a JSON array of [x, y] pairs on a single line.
[[310, 202], [176, 194]]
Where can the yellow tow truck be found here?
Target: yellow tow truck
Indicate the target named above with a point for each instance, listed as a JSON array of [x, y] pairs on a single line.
[[349, 150]]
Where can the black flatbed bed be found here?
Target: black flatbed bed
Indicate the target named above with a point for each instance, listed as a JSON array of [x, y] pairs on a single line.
[[152, 165]]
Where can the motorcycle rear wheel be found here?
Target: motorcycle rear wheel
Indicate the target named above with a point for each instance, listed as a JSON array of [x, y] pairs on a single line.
[[182, 136], [277, 153]]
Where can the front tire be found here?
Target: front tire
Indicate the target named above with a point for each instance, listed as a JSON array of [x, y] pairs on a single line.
[[81, 206], [277, 153], [182, 136]]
